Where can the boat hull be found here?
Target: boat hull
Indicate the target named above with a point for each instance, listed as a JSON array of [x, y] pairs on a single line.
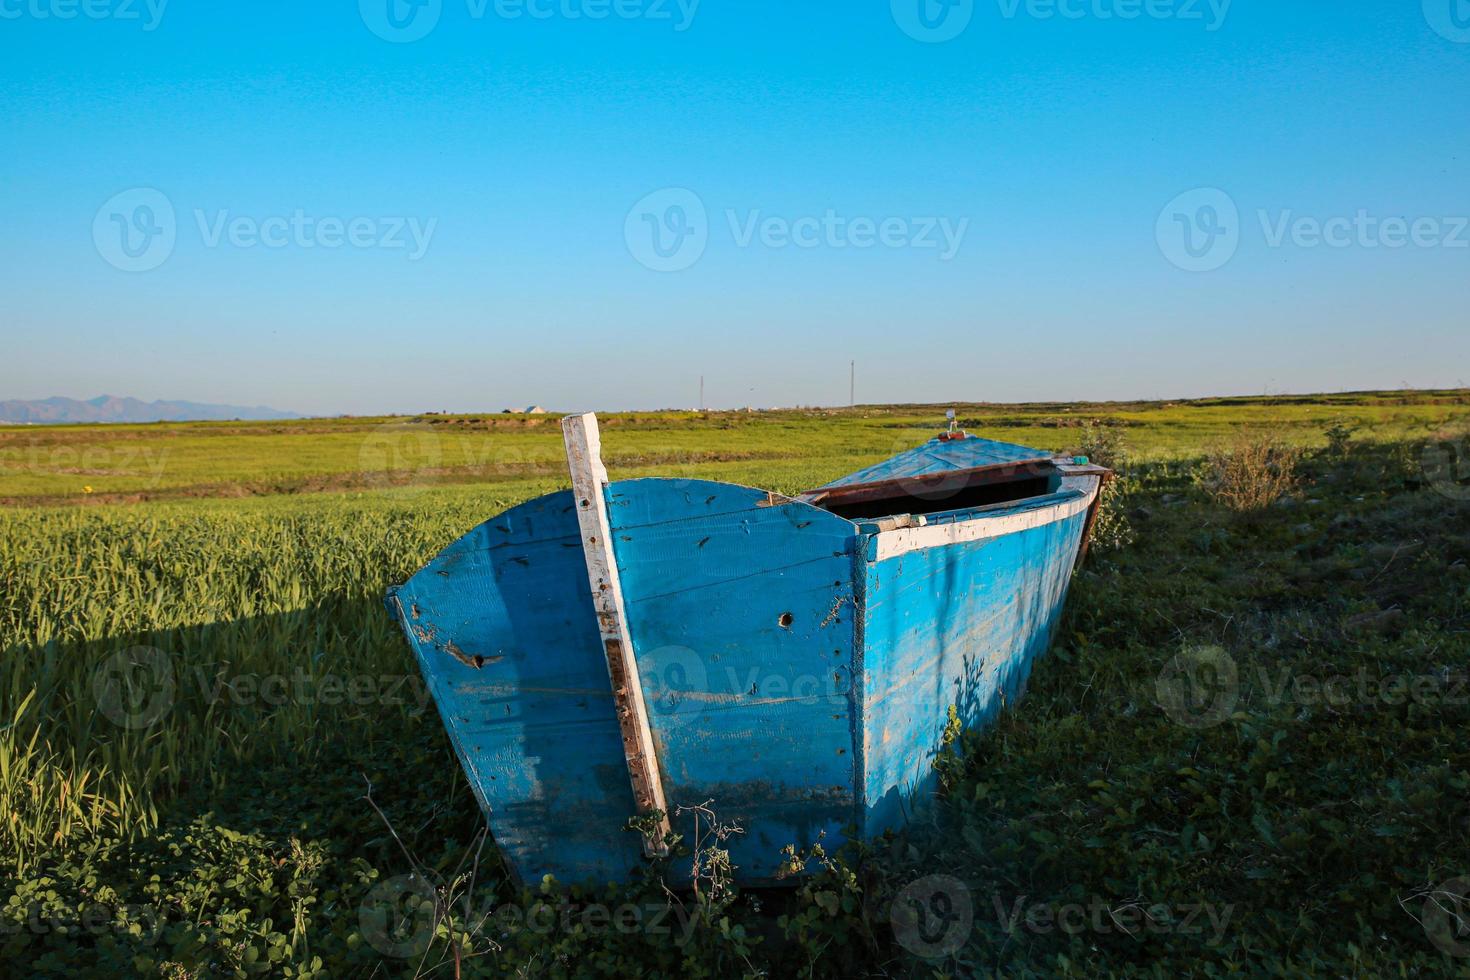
[[797, 667], [954, 621]]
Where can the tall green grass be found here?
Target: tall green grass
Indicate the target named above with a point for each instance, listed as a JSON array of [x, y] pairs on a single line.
[[222, 595]]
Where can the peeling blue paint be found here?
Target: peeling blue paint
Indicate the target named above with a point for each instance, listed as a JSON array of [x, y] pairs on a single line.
[[791, 676]]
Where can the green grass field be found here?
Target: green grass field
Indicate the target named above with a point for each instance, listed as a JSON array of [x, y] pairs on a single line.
[[207, 816], [795, 449]]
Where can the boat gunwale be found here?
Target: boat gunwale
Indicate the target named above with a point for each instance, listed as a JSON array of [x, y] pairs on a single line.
[[980, 525]]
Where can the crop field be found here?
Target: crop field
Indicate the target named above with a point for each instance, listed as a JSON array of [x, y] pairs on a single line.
[[1247, 753]]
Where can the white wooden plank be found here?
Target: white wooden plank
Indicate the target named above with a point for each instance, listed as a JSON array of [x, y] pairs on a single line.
[[589, 479], [891, 544]]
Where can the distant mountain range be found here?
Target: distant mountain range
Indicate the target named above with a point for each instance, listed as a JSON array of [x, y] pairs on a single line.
[[108, 408]]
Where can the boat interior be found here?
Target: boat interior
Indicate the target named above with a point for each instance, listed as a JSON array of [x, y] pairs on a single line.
[[937, 493]]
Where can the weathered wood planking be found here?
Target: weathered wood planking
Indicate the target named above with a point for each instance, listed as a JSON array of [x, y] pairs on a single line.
[[795, 667], [589, 489], [741, 610], [957, 623], [533, 724]]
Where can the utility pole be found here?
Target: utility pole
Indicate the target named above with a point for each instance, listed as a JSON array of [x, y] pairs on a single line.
[[852, 384], [701, 392]]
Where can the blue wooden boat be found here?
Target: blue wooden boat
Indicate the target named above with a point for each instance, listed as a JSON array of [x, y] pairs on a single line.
[[638, 646]]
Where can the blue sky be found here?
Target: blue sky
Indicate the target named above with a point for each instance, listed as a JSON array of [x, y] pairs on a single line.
[[994, 199]]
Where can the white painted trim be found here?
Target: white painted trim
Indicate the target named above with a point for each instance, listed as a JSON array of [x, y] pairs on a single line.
[[589, 480], [891, 544]]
